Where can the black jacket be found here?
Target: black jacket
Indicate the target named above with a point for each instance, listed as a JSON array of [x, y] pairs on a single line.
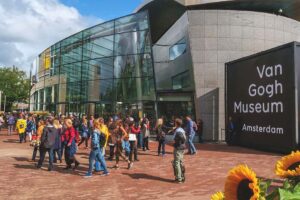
[[48, 137]]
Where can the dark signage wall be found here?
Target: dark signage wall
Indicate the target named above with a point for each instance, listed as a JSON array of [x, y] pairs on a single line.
[[260, 99]]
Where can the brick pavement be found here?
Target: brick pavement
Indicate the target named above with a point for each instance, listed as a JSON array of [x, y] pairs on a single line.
[[150, 178]]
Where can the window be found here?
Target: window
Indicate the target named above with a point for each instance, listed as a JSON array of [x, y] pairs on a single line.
[[181, 81], [177, 49]]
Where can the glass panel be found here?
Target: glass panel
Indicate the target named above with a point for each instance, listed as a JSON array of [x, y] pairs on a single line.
[[98, 47], [73, 92], [72, 71], [99, 30], [181, 81], [98, 69], [134, 22], [178, 49], [132, 43], [133, 66], [134, 89]]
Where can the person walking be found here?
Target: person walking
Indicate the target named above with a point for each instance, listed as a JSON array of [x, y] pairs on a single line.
[[47, 143], [21, 128], [134, 130], [96, 154], [10, 124], [161, 137], [84, 133], [190, 134], [118, 133], [179, 138], [145, 131], [39, 132], [57, 146], [70, 145]]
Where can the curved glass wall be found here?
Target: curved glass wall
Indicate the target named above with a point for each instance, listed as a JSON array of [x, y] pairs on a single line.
[[104, 69]]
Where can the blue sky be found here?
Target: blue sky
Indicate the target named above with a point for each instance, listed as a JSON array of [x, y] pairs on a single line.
[[104, 9]]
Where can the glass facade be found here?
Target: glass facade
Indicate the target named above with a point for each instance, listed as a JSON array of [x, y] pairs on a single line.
[[104, 69]]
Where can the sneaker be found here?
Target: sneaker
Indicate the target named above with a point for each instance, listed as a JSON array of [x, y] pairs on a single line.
[[88, 175], [137, 160], [105, 174], [130, 165], [116, 167]]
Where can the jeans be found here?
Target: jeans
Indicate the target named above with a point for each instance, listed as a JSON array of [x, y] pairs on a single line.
[[62, 149], [29, 135], [96, 155], [34, 153], [111, 152], [192, 148], [161, 146], [86, 140], [22, 137], [58, 152], [146, 143], [178, 164], [42, 157], [140, 140], [133, 150], [10, 129], [119, 152]]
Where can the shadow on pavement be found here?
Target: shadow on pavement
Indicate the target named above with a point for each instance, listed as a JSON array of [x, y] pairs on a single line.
[[21, 159], [11, 141], [149, 177]]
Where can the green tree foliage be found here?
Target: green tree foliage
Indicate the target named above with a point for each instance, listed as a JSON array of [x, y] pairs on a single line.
[[15, 84]]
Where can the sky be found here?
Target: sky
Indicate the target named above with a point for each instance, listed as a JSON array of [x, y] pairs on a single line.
[[27, 27]]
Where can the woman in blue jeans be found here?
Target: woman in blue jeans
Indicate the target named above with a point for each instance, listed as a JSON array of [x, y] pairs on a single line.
[[96, 153], [161, 137]]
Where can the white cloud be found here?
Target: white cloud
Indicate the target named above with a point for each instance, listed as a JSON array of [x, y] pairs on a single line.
[[27, 27]]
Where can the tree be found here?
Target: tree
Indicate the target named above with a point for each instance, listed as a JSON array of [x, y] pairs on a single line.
[[15, 85]]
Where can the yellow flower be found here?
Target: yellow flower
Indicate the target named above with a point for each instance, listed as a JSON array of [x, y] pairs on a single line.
[[218, 196], [288, 166], [241, 184]]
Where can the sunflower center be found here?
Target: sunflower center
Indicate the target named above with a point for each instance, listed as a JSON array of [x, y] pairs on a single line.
[[294, 166], [243, 190]]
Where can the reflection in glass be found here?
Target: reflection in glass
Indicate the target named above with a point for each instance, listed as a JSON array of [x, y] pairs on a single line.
[[178, 49]]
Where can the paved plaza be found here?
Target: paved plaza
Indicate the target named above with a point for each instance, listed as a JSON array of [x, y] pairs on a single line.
[[150, 178]]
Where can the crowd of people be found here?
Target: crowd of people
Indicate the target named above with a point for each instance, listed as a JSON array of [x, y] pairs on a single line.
[[61, 136]]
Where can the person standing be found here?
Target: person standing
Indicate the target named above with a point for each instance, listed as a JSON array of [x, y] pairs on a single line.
[[161, 137], [39, 132], [190, 134], [231, 132], [145, 130], [10, 122], [179, 138], [200, 130], [21, 128], [30, 128], [1, 121], [96, 154], [47, 143]]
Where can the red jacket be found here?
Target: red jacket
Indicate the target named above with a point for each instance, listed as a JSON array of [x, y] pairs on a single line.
[[135, 130], [69, 135]]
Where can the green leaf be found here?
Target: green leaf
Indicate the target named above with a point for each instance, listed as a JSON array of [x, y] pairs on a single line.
[[297, 188], [273, 195], [287, 185], [288, 195]]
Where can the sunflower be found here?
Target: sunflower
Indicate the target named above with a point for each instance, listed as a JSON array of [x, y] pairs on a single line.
[[241, 184], [218, 196], [288, 166]]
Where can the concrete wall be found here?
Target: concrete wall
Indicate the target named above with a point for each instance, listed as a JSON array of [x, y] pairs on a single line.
[[219, 36]]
